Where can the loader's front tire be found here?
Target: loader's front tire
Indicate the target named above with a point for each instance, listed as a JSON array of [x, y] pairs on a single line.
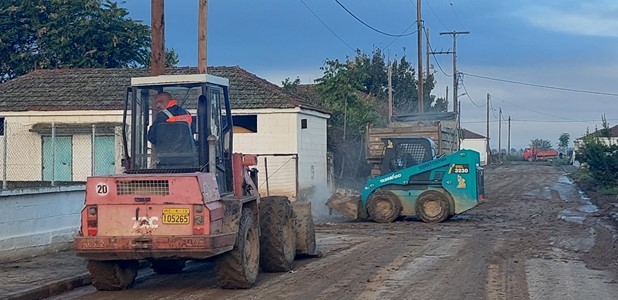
[[432, 207], [112, 275], [168, 266], [277, 235], [383, 206], [238, 269]]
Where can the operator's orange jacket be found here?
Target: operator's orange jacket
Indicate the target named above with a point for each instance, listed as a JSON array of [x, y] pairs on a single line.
[[172, 113]]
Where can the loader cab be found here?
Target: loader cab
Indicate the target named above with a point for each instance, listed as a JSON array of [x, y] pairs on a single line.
[[401, 153], [180, 147]]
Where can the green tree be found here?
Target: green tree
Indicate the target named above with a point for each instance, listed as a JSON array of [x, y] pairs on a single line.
[[289, 85], [564, 141], [356, 92], [540, 144], [70, 34]]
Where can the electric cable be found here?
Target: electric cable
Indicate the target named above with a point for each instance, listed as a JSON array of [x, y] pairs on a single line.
[[371, 27], [456, 15], [327, 27], [544, 86]]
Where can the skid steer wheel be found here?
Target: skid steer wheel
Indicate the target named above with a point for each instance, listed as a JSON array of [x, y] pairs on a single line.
[[432, 207], [167, 266], [112, 275], [277, 235], [383, 206], [238, 269]]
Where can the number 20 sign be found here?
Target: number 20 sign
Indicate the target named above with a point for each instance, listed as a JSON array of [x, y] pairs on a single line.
[[101, 189]]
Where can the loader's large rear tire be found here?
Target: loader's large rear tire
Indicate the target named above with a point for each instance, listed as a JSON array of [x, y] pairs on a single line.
[[238, 269], [168, 266], [277, 235], [432, 207], [383, 206], [112, 275]]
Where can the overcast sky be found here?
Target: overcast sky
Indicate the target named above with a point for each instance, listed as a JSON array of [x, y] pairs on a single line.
[[556, 43]]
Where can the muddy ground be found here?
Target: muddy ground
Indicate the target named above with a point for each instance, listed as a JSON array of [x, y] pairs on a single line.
[[536, 237]]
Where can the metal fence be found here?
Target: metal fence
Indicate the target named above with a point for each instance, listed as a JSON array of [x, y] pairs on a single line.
[[278, 175], [54, 153]]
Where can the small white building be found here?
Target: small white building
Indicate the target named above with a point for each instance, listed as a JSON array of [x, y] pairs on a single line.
[[288, 134], [474, 141], [602, 136]]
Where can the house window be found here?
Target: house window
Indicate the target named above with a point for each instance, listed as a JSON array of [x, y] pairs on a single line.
[[303, 123], [245, 124], [1, 126]]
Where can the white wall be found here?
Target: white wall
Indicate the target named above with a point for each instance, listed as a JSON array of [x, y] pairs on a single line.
[[279, 132], [38, 221], [276, 134], [478, 145], [312, 149]]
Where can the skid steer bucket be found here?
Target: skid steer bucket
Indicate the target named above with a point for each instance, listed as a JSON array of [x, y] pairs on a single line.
[[346, 202], [305, 230]]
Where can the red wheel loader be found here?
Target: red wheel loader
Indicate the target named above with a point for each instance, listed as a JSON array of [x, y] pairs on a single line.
[[187, 197]]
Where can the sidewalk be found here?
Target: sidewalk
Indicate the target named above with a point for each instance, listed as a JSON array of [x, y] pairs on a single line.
[[42, 276]]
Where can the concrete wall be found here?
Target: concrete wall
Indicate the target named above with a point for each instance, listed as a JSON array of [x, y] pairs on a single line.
[[38, 221], [478, 145]]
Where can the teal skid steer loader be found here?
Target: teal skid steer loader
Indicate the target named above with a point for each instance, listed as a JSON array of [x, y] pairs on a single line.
[[414, 182]]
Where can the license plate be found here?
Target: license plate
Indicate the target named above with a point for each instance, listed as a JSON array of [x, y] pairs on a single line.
[[176, 216]]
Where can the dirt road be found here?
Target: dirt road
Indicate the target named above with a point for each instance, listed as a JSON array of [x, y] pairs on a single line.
[[535, 238]]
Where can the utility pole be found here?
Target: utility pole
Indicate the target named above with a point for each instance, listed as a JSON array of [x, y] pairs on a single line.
[[427, 51], [508, 148], [455, 73], [390, 93], [202, 42], [500, 136], [157, 59], [419, 28], [447, 99], [488, 147]]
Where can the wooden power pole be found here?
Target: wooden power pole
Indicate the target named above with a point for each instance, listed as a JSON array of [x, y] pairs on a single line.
[[455, 73], [500, 135], [508, 147], [157, 59], [419, 25], [488, 147], [202, 42], [390, 93]]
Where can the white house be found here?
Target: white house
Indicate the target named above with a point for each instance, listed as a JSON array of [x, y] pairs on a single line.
[[288, 134], [476, 142], [608, 138]]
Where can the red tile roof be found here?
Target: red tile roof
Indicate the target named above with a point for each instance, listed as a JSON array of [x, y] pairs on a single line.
[[104, 89]]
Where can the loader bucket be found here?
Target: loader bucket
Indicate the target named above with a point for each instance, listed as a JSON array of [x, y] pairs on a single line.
[[346, 202], [305, 230]]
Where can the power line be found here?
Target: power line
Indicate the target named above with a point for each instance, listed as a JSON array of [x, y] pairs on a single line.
[[433, 54], [468, 94], [532, 110], [331, 31], [537, 121], [456, 16], [369, 26], [395, 39], [435, 14], [544, 86]]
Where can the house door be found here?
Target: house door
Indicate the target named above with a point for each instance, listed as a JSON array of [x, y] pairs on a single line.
[[61, 158], [104, 155]]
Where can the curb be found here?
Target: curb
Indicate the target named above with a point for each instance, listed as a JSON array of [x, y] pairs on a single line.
[[51, 288], [56, 287]]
